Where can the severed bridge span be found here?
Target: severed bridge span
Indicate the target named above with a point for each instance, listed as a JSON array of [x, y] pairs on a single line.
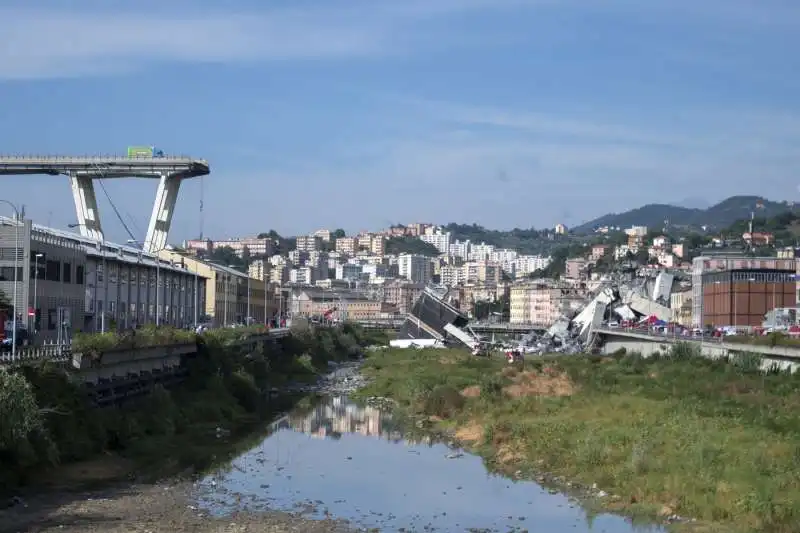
[[82, 171]]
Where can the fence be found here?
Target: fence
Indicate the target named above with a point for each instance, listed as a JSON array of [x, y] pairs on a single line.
[[52, 351]]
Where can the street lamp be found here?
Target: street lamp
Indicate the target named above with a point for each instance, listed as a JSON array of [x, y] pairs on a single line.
[[35, 289], [16, 268], [105, 278]]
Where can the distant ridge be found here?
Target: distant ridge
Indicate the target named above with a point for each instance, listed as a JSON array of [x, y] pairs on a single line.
[[717, 216]]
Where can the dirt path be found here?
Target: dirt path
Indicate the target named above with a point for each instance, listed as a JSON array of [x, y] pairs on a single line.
[[155, 508]]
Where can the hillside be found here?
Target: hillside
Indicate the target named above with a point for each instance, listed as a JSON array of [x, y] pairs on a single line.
[[715, 217]]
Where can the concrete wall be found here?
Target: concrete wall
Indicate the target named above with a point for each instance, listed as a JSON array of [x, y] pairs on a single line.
[[781, 357]]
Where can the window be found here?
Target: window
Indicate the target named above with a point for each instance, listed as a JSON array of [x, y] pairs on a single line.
[[79, 274], [52, 318], [7, 273], [66, 272], [52, 270]]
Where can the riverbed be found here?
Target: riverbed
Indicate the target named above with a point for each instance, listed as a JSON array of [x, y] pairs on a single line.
[[331, 458]]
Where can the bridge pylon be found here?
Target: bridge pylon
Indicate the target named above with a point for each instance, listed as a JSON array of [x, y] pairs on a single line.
[[82, 171]]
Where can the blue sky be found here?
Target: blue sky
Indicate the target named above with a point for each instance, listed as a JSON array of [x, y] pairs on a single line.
[[358, 114]]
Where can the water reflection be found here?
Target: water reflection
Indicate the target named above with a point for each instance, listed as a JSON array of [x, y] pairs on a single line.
[[335, 458]]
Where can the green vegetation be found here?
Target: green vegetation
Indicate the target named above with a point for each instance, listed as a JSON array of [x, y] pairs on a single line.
[[525, 241], [679, 434], [46, 418], [150, 335], [716, 217], [775, 338], [410, 245]]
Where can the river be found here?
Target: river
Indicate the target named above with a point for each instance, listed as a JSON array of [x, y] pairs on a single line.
[[333, 458]]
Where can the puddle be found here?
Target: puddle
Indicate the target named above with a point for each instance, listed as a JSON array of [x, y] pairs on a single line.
[[340, 460]]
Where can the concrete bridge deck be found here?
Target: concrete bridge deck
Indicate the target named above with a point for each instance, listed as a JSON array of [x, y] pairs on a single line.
[[83, 170], [648, 343]]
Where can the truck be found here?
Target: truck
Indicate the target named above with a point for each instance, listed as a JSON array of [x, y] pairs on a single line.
[[144, 151]]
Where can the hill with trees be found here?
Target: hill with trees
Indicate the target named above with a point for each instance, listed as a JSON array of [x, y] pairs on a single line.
[[715, 218]]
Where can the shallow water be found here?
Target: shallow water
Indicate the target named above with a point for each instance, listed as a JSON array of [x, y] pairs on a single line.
[[341, 460]]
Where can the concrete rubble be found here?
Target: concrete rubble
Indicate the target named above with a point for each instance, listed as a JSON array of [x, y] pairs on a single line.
[[620, 297]]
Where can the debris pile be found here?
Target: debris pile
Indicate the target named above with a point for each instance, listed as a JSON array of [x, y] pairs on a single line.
[[618, 299]]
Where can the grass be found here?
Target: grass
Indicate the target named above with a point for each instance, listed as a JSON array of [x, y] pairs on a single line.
[[772, 339], [682, 435]]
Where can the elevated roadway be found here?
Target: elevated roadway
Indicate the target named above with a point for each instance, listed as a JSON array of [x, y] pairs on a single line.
[[478, 327], [82, 171], [649, 343]]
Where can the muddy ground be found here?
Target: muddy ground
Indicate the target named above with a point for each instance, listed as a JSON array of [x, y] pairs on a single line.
[[143, 508], [63, 502]]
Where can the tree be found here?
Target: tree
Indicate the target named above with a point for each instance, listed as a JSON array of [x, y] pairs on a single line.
[[18, 409], [5, 304], [338, 233], [410, 245], [224, 255]]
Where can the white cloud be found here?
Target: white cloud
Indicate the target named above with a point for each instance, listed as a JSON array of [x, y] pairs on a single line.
[[44, 43]]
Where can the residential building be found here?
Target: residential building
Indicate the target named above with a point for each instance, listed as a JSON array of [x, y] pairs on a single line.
[[259, 269], [341, 304], [758, 239], [402, 294], [576, 268], [543, 303], [302, 275], [599, 250], [323, 234], [679, 250], [560, 229], [416, 268], [681, 306], [348, 271], [308, 243], [255, 246], [68, 283], [347, 245], [437, 238]]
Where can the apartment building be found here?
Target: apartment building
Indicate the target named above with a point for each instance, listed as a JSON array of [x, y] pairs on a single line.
[[543, 303], [255, 246], [308, 243], [259, 269], [416, 268], [341, 305], [347, 245], [68, 283], [402, 294], [437, 238], [323, 234]]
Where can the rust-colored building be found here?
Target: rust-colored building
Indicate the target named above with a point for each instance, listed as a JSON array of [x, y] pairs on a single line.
[[743, 297]]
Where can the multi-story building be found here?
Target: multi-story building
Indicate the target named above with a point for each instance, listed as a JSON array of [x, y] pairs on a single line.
[[437, 238], [730, 262], [302, 276], [743, 297], [680, 303], [348, 271], [347, 245], [255, 246], [324, 234], [416, 268], [259, 269], [560, 229], [543, 303], [341, 304], [68, 283], [402, 294], [233, 297], [308, 243]]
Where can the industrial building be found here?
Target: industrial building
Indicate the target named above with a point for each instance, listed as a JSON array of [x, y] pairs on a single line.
[[67, 283], [743, 297]]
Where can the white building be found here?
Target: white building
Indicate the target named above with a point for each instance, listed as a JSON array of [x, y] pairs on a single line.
[[416, 268], [438, 239]]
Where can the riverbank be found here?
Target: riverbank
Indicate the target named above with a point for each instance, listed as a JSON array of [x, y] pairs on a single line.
[[97, 495], [47, 421], [658, 438]]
